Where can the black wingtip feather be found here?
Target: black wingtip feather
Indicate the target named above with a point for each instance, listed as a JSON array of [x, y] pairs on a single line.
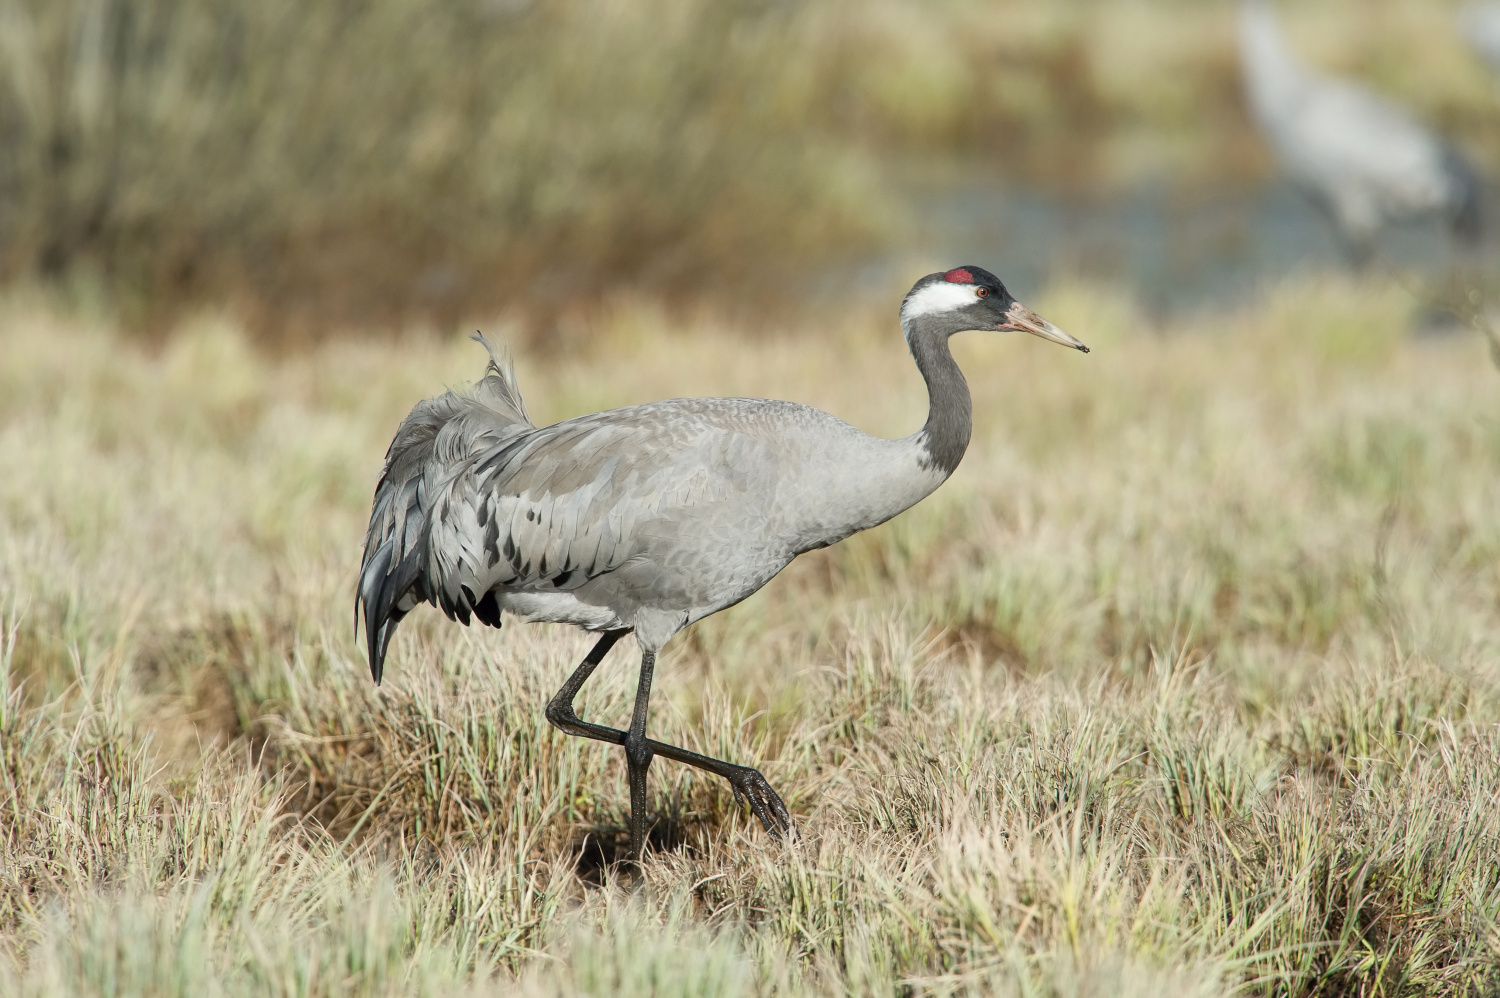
[[375, 645], [488, 609], [380, 644], [381, 588]]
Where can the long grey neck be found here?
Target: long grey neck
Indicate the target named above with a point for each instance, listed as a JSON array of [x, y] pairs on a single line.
[[853, 488], [1274, 77], [950, 413]]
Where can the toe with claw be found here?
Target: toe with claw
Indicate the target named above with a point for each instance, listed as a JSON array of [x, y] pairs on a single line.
[[750, 786]]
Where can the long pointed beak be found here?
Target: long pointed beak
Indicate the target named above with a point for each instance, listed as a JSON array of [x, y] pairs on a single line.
[[1023, 319]]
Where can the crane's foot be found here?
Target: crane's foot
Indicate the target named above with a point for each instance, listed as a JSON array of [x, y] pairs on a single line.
[[750, 787]]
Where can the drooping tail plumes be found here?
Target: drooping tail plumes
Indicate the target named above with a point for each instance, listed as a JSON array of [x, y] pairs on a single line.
[[436, 441], [498, 389]]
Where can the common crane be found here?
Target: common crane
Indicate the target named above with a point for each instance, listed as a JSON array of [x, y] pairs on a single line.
[[1363, 159], [648, 518]]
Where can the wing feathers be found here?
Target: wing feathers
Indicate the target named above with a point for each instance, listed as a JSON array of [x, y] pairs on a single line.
[[475, 501], [439, 436]]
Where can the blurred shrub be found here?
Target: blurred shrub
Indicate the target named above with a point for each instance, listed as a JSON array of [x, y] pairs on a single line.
[[357, 161]]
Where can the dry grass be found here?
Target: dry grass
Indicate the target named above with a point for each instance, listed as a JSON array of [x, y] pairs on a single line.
[[1186, 683]]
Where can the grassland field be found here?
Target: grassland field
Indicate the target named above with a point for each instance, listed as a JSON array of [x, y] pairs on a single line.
[[1188, 683]]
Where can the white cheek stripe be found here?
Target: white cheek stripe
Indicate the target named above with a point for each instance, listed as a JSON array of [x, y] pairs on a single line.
[[937, 297]]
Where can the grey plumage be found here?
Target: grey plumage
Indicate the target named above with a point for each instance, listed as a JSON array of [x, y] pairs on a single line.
[[644, 518], [426, 468], [1367, 162], [648, 518]]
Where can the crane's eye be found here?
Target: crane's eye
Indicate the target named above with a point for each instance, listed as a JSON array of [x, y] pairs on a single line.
[[982, 292]]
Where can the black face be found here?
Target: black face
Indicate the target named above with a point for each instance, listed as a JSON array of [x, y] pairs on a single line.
[[972, 298], [962, 298], [991, 301]]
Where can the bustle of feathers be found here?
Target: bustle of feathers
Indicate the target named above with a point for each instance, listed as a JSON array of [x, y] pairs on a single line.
[[442, 432]]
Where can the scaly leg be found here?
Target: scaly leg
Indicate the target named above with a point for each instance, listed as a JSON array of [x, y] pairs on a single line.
[[638, 755], [560, 707], [748, 784]]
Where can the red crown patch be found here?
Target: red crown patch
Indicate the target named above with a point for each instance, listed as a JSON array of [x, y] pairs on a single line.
[[959, 276]]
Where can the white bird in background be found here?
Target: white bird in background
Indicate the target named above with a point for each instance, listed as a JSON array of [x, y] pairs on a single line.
[[1480, 23], [648, 518], [1367, 162]]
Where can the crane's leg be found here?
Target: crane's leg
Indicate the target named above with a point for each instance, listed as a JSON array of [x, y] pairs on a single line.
[[638, 754], [560, 707], [748, 784]]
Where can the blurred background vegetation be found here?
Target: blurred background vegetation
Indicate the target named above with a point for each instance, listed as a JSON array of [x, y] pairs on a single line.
[[387, 163]]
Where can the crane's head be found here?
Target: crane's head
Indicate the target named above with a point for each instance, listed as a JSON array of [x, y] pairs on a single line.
[[972, 298]]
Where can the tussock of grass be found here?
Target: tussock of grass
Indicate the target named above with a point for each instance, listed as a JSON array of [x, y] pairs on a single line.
[[1185, 683]]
